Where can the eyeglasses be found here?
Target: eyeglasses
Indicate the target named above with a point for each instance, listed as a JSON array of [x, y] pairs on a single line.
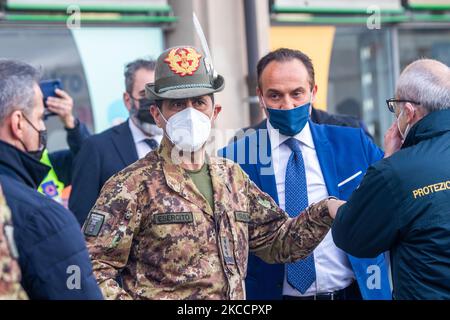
[[392, 103]]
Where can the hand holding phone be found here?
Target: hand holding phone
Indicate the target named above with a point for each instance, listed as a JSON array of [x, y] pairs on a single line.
[[48, 88], [58, 102]]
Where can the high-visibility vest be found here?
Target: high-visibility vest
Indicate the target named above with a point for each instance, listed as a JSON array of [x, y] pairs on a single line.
[[51, 186]]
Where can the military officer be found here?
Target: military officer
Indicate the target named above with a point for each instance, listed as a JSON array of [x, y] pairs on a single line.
[[10, 288], [178, 224]]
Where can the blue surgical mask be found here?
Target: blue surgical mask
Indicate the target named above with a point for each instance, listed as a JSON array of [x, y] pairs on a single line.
[[289, 122]]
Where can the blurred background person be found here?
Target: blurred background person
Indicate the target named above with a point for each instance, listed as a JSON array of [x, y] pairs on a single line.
[[105, 154]]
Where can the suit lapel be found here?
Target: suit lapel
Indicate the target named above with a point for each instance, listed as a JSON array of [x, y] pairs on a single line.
[[264, 166], [124, 144], [326, 158]]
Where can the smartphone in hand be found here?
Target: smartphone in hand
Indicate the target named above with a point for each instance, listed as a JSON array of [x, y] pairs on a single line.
[[48, 88]]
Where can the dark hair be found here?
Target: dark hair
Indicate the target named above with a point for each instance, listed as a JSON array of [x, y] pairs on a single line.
[[131, 69], [159, 103], [282, 55]]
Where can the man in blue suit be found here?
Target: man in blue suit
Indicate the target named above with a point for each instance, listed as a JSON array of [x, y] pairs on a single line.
[[105, 154], [297, 163]]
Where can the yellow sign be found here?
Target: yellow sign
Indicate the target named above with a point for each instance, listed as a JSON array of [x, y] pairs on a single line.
[[432, 188], [314, 41]]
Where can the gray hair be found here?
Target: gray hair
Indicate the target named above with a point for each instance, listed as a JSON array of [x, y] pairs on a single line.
[[131, 69], [427, 82], [16, 87]]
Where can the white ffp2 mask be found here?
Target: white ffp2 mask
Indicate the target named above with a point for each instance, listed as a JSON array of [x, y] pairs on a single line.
[[188, 130]]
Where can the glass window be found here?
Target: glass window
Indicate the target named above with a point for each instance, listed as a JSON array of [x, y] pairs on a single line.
[[90, 62], [54, 51], [423, 43], [361, 77]]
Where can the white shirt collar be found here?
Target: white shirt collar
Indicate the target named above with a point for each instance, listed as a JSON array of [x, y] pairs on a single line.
[[277, 139], [138, 135]]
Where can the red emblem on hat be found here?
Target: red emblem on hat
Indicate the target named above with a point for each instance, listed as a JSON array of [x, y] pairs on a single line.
[[183, 61]]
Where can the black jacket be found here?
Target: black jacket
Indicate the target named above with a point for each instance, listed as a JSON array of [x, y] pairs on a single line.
[[50, 244], [323, 117], [402, 205], [100, 157], [62, 160]]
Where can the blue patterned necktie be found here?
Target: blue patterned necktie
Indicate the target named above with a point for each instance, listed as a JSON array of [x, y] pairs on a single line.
[[301, 274], [152, 143]]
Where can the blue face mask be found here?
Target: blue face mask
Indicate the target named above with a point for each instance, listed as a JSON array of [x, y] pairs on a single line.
[[289, 122]]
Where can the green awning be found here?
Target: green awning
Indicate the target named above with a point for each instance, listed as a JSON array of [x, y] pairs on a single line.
[[121, 8], [145, 13]]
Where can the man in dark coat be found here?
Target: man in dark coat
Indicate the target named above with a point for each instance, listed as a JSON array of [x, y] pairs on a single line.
[[402, 202], [52, 253]]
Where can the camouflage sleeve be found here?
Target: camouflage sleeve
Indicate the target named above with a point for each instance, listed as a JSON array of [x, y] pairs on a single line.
[[109, 231], [276, 238], [10, 276]]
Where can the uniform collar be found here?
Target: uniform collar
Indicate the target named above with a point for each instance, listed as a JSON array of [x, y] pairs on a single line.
[[22, 166], [179, 180], [432, 125]]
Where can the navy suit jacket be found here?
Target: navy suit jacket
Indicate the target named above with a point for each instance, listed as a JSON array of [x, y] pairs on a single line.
[[62, 160], [344, 155], [46, 235], [100, 157]]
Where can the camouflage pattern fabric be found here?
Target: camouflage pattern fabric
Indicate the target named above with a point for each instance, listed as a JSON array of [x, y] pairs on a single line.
[[10, 288], [153, 226]]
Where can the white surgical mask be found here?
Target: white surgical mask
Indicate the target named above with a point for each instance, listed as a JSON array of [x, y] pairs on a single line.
[[188, 130], [403, 134]]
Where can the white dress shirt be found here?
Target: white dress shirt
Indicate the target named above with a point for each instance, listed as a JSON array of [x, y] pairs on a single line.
[[333, 271], [142, 147]]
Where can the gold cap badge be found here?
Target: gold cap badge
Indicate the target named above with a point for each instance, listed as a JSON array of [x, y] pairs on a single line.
[[183, 61]]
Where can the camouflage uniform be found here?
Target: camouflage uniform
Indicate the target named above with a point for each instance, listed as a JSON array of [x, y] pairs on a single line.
[[151, 223], [10, 287]]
